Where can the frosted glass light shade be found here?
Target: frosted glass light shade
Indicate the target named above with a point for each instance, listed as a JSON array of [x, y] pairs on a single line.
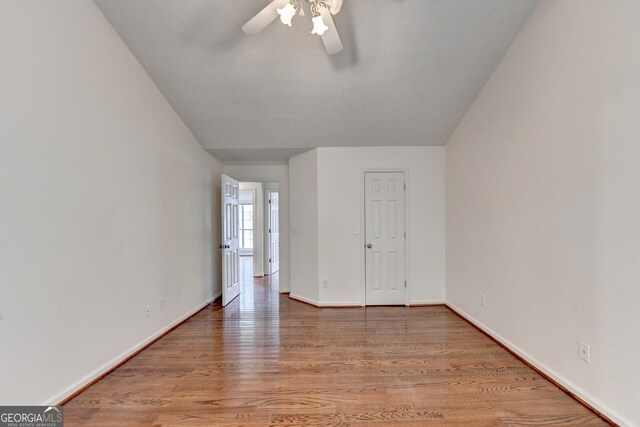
[[335, 7], [286, 14], [319, 27]]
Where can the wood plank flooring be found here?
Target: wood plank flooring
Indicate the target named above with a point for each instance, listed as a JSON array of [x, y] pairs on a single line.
[[267, 360]]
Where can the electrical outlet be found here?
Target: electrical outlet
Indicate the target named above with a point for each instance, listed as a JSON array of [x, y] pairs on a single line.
[[483, 300], [147, 311], [584, 352], [161, 304], [325, 284]]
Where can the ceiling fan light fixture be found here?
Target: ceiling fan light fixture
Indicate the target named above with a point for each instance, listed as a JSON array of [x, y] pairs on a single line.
[[335, 6], [319, 27], [321, 11], [287, 13]]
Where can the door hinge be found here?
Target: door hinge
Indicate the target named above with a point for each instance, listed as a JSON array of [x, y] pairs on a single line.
[[269, 230], [269, 259], [405, 283], [405, 186], [269, 201]]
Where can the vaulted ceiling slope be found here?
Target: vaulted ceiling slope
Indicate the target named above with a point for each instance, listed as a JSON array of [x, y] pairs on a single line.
[[409, 70]]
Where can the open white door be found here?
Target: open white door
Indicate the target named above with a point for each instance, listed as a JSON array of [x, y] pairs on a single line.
[[230, 242], [385, 238], [274, 232]]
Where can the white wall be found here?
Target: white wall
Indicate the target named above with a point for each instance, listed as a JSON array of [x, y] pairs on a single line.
[[269, 172], [107, 202], [543, 204], [303, 171], [341, 201], [327, 200], [258, 225]]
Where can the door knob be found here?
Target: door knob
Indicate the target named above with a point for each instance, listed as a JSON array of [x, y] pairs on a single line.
[[369, 245], [227, 246]]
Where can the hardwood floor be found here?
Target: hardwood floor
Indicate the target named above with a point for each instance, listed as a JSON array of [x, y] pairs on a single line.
[[267, 360]]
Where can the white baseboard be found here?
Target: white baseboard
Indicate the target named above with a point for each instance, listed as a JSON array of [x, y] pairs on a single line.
[[426, 302], [341, 304], [96, 374], [216, 296], [355, 303], [303, 299], [577, 391], [327, 304]]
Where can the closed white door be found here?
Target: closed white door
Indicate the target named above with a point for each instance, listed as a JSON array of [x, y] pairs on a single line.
[[385, 238], [230, 242], [274, 232]]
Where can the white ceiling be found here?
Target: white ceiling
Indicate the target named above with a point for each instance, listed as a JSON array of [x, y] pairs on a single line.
[[409, 71]]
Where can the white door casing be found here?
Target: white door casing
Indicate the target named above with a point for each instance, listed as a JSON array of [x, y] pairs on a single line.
[[230, 241], [385, 238], [274, 232]]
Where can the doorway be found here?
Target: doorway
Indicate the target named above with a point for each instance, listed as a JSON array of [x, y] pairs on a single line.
[[246, 225], [251, 233], [385, 238]]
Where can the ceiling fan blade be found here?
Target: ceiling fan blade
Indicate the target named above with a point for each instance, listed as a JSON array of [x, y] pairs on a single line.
[[330, 38], [265, 17]]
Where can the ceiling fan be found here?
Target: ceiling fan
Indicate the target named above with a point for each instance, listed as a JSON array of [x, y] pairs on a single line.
[[321, 11]]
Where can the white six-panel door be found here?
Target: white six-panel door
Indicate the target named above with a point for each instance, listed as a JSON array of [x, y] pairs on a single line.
[[385, 238], [274, 232], [230, 241]]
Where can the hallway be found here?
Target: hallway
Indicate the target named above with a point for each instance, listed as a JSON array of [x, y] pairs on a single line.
[[254, 291], [268, 360]]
